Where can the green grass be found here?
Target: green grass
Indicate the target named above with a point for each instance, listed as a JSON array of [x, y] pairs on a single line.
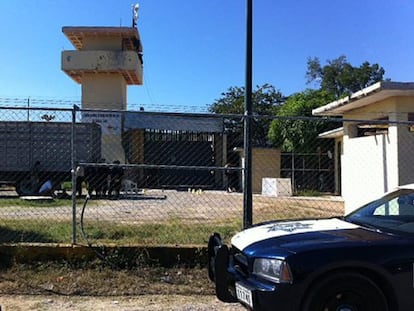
[[171, 233], [38, 203], [14, 231]]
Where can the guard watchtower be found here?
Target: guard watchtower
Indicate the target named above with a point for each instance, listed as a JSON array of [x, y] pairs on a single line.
[[105, 62]]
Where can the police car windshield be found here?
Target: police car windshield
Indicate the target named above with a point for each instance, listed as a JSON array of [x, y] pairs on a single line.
[[393, 212]]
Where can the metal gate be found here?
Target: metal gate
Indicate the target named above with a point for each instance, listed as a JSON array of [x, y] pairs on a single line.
[[176, 149]]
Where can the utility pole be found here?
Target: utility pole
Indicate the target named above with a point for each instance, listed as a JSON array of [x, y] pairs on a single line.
[[247, 189]]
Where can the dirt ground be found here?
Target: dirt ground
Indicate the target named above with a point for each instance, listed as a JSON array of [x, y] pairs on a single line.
[[136, 303], [188, 206], [60, 286]]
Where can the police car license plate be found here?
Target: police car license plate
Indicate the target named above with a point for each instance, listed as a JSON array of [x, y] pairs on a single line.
[[244, 294]]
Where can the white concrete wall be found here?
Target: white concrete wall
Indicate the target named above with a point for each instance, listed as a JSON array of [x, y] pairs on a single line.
[[369, 166], [101, 61], [369, 163], [376, 164], [372, 165], [104, 91], [368, 169]]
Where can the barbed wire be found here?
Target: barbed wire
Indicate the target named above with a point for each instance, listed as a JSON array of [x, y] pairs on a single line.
[[68, 103]]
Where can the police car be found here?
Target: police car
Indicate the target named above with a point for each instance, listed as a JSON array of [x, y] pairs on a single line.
[[359, 262]]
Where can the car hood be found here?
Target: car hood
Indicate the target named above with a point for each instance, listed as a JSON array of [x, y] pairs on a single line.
[[301, 234]]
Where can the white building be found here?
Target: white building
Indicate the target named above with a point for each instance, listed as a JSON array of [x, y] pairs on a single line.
[[375, 148]]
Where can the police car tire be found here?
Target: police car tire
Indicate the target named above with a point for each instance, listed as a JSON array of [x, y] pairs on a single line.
[[212, 252], [346, 291]]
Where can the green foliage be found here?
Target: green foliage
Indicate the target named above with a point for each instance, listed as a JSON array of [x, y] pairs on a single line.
[[231, 102], [266, 101], [339, 77], [291, 134]]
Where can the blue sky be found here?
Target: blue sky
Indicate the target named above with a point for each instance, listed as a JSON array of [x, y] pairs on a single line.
[[195, 49]]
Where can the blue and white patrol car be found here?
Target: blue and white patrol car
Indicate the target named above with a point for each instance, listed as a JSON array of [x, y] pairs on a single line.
[[360, 262]]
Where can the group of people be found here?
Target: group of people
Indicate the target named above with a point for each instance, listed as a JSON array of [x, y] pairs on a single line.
[[101, 181]]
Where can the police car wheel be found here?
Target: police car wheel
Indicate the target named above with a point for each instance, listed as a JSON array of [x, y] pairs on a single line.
[[346, 292], [213, 245]]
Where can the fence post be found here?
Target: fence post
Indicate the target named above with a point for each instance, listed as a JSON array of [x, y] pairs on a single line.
[[73, 171]]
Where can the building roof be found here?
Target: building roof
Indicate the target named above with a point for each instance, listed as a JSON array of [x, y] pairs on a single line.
[[335, 133], [129, 35], [367, 96]]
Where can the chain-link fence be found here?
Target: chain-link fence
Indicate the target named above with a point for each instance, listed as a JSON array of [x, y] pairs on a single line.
[[137, 178]]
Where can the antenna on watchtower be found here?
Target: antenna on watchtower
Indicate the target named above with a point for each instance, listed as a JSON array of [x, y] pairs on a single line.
[[135, 8]]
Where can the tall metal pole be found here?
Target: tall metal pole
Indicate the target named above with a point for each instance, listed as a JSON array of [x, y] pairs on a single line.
[[73, 171], [247, 189]]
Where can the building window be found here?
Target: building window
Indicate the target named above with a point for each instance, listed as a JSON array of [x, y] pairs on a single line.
[[376, 127]]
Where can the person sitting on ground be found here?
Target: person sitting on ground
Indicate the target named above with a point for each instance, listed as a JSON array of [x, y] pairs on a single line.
[[46, 188]]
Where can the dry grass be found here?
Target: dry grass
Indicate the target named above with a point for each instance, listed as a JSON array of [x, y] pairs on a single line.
[[267, 208], [100, 280]]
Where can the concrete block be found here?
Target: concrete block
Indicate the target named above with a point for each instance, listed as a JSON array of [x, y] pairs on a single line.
[[278, 187]]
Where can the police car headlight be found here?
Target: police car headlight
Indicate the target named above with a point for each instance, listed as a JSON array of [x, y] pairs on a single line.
[[275, 270]]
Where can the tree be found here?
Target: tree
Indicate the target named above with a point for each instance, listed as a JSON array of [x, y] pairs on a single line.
[[339, 77], [291, 131], [265, 102]]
